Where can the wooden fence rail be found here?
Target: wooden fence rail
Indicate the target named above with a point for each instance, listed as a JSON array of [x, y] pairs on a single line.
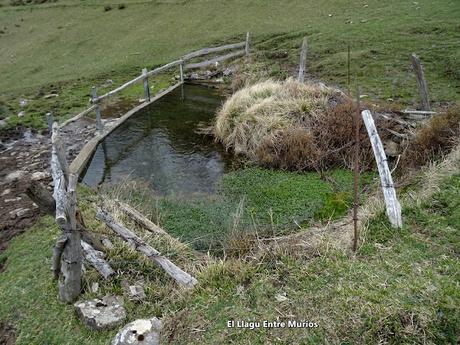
[[69, 250]]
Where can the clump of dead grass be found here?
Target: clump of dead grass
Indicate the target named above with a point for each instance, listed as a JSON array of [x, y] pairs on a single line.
[[292, 126], [436, 138]]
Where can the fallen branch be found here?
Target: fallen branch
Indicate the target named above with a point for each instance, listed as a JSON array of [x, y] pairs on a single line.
[[140, 219], [96, 259], [181, 277]]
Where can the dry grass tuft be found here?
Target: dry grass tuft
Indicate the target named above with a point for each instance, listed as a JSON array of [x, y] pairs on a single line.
[[292, 126], [435, 139]]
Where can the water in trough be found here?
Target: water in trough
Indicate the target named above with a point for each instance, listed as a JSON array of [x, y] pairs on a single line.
[[160, 145]]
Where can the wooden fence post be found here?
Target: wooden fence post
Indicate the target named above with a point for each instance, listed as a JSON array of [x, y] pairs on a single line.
[[67, 254], [247, 46], [393, 207], [303, 60], [97, 109], [50, 121], [181, 71], [421, 82], [146, 85]]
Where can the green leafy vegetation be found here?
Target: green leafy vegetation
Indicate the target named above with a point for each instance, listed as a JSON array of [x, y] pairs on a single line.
[[249, 200]]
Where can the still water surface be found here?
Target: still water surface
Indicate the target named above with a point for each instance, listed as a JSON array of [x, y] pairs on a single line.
[[160, 146]]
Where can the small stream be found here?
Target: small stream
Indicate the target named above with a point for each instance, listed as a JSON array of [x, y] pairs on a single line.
[[160, 146]]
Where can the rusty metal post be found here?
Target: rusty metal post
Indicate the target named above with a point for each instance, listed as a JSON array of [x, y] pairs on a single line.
[[356, 173]]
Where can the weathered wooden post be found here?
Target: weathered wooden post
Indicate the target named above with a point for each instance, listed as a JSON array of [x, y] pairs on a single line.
[[67, 253], [247, 46], [181, 71], [146, 85], [393, 208], [421, 82], [94, 100], [50, 121], [303, 60]]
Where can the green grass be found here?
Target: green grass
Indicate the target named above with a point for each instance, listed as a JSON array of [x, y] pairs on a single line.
[[29, 294], [273, 202], [400, 288], [83, 45]]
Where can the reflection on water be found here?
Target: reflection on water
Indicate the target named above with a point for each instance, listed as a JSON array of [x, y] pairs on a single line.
[[159, 145]]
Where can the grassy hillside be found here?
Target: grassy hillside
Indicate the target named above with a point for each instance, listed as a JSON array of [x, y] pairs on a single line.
[[78, 40], [399, 288]]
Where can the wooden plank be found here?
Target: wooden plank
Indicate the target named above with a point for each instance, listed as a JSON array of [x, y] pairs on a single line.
[[393, 208], [207, 51], [303, 60], [79, 163], [78, 116], [96, 259], [215, 60], [181, 277], [421, 82]]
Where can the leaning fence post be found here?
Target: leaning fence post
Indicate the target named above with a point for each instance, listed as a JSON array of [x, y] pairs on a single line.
[[50, 121], [421, 82], [146, 85], [303, 60], [393, 207], [248, 42], [95, 101]]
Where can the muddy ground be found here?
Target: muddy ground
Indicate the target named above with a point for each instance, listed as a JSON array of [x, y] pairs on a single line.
[[25, 157]]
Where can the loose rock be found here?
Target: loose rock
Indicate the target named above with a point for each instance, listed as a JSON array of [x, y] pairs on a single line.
[[143, 331], [101, 314], [39, 175], [135, 292]]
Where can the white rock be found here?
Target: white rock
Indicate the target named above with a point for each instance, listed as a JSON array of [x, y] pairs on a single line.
[[21, 113], [6, 191], [107, 243], [139, 332], [39, 175], [15, 175], [134, 292], [101, 314], [20, 212], [12, 200], [95, 287]]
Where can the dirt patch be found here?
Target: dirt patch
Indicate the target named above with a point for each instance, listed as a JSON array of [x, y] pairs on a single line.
[[7, 334], [24, 158]]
